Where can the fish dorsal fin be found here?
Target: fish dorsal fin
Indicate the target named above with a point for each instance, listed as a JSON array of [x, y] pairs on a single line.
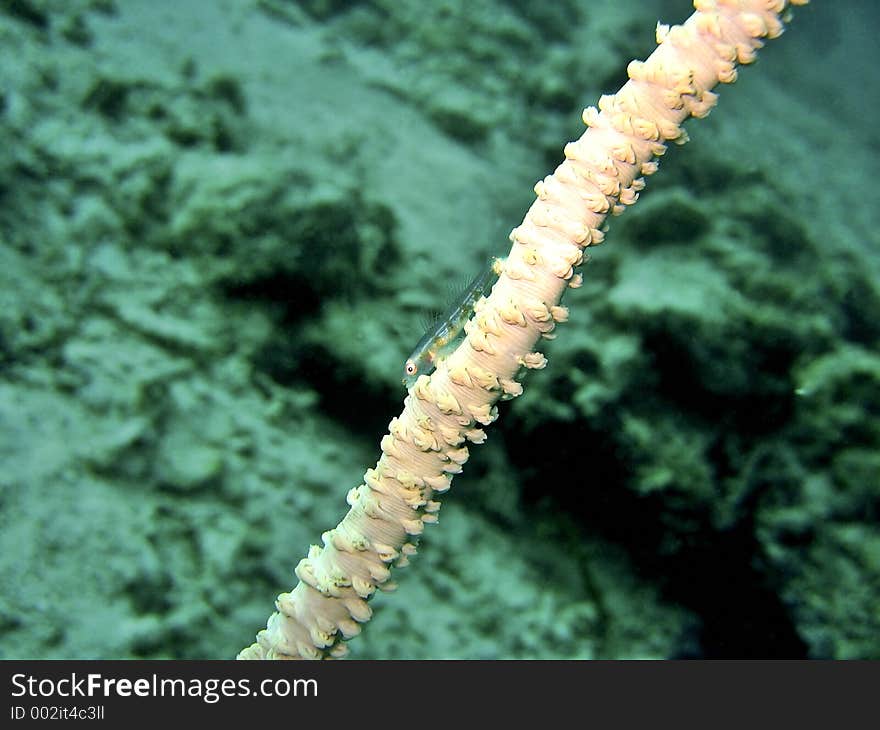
[[430, 319]]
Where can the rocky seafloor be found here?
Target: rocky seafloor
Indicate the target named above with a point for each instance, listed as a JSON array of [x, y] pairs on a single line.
[[221, 223]]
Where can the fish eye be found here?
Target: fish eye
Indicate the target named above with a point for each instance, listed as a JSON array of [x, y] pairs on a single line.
[[410, 367]]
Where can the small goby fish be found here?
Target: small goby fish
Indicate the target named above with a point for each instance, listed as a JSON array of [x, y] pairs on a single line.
[[438, 340]]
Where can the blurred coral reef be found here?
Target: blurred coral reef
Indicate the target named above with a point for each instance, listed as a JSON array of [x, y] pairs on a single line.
[[220, 225]]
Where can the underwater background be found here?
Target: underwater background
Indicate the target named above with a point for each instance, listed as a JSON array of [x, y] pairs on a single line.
[[221, 224]]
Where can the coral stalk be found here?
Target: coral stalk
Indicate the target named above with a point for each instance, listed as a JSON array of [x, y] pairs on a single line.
[[428, 443]]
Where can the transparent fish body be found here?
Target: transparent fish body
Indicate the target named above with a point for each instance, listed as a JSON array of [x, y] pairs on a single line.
[[442, 335]]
